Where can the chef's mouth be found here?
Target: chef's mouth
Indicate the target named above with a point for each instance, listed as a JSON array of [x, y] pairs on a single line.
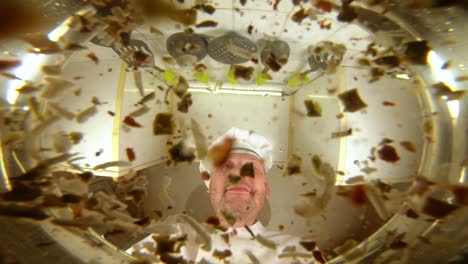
[[238, 189]]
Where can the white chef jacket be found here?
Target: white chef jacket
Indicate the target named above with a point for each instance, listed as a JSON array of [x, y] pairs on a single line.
[[287, 250]]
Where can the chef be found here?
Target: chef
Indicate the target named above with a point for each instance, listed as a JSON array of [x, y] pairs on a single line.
[[238, 188]]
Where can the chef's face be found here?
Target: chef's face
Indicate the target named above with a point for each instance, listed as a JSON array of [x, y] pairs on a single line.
[[245, 199]]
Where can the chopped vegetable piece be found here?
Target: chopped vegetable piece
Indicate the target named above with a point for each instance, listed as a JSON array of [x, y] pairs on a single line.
[[219, 153], [352, 101], [247, 170], [245, 73], [185, 103], [181, 153], [84, 115], [130, 121], [313, 108], [388, 153], [163, 124]]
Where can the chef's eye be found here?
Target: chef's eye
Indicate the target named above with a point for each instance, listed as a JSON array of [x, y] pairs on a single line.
[[228, 165]]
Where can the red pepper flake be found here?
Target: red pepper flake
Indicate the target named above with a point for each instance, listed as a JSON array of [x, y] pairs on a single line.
[[388, 103], [130, 154], [205, 176], [130, 121], [213, 220], [324, 5], [388, 153], [210, 115], [93, 57]]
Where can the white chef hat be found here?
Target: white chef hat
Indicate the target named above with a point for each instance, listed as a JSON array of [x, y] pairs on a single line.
[[245, 142]]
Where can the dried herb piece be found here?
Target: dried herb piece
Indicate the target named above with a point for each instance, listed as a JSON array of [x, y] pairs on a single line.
[[417, 51], [207, 23], [76, 137], [130, 121], [234, 179], [147, 98], [344, 133], [84, 115], [130, 154], [352, 101], [222, 254], [181, 153], [408, 145], [229, 217], [313, 108], [388, 153], [243, 72], [299, 16], [185, 103], [294, 165], [391, 61], [308, 245], [376, 73], [163, 125], [347, 12], [247, 170], [316, 163], [219, 153], [275, 5]]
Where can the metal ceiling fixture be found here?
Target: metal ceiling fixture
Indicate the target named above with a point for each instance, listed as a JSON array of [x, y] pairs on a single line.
[[187, 44], [231, 49]]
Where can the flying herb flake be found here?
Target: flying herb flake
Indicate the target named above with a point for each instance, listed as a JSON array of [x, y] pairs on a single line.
[[247, 170], [163, 124], [352, 101], [313, 108]]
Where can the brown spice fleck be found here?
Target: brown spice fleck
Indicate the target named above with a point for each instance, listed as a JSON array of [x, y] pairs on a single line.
[[130, 121], [388, 103], [207, 23], [299, 16], [408, 145], [130, 154], [324, 5], [93, 57], [388, 153]]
